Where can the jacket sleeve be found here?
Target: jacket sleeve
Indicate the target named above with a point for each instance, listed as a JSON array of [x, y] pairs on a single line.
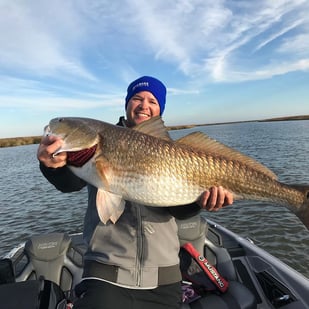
[[185, 211], [62, 178]]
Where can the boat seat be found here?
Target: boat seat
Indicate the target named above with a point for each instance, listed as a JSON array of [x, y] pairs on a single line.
[[52, 257], [193, 230], [220, 257], [238, 296]]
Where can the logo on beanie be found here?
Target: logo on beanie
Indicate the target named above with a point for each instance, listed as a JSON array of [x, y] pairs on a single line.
[[143, 84]]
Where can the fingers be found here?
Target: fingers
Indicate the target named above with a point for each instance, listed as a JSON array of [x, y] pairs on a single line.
[[229, 198], [45, 154], [215, 199]]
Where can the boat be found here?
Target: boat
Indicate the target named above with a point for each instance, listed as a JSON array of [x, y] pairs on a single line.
[[42, 272]]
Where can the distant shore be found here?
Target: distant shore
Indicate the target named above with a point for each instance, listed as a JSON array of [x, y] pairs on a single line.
[[289, 118], [19, 141]]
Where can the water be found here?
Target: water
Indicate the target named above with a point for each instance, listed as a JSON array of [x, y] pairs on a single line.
[[30, 205]]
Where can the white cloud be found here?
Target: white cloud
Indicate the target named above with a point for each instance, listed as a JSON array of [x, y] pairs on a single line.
[[39, 37], [269, 71], [200, 38], [297, 45], [279, 34], [234, 58], [209, 38], [78, 56], [62, 104]]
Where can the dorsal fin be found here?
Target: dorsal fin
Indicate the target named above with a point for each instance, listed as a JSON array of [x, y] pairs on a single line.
[[201, 141], [154, 127]]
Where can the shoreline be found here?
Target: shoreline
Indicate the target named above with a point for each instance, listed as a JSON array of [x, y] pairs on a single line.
[[288, 118], [19, 141]]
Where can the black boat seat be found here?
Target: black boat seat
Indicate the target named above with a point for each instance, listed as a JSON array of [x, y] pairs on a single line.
[[50, 256], [238, 296], [220, 257], [194, 230]]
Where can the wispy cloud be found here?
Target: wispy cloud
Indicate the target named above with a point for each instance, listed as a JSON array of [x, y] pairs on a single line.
[[278, 34], [82, 54], [235, 58], [32, 41], [60, 104], [197, 37]]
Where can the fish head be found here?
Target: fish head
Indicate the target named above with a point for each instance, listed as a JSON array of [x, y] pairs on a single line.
[[76, 133]]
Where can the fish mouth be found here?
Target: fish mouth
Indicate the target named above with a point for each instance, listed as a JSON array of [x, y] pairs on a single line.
[[47, 131]]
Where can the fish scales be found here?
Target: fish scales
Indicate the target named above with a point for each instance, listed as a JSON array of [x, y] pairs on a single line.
[[156, 165]]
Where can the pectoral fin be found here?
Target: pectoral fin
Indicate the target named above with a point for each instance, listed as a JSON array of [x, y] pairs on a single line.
[[109, 206]]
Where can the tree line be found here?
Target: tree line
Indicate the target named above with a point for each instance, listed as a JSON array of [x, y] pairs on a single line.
[[19, 141]]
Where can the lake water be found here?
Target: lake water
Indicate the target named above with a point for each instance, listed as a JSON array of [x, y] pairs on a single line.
[[30, 205]]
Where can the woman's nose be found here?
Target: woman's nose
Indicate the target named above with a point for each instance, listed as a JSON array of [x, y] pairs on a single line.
[[143, 104]]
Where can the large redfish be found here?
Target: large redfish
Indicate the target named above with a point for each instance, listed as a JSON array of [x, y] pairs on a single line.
[[144, 165]]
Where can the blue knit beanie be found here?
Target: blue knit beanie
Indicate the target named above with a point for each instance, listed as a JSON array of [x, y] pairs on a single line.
[[151, 84]]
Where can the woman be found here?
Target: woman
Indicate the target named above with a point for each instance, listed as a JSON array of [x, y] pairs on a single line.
[[133, 263]]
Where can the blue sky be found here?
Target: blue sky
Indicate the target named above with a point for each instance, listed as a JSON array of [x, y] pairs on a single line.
[[220, 60]]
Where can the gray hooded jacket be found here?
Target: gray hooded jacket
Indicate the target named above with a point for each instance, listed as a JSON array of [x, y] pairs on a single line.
[[140, 250]]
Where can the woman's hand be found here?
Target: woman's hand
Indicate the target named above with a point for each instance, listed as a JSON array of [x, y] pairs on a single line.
[[215, 199], [45, 154]]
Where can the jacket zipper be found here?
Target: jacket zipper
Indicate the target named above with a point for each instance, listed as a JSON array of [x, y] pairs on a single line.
[[139, 244]]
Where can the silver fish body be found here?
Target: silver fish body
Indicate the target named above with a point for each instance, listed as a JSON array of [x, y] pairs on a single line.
[[145, 166]]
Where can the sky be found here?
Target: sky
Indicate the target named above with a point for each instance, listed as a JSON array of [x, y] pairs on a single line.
[[222, 60]]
